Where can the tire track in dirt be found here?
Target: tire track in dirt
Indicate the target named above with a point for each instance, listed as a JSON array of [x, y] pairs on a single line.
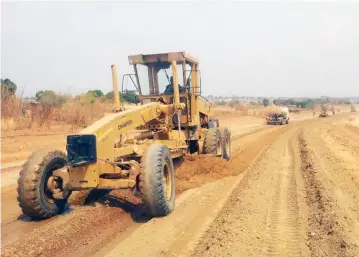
[[14, 224], [325, 235], [55, 237], [336, 174], [261, 218], [176, 233], [283, 204], [199, 170], [343, 150], [283, 219], [354, 130], [257, 130], [101, 221], [345, 135]]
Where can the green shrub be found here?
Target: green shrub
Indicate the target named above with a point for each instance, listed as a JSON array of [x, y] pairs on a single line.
[[127, 96]]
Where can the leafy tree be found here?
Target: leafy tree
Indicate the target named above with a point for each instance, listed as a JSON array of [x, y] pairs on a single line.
[[222, 102], [8, 88], [96, 92], [88, 98], [265, 102], [233, 103], [305, 104], [109, 95], [309, 104], [289, 102], [49, 97], [128, 96], [48, 100], [41, 93]]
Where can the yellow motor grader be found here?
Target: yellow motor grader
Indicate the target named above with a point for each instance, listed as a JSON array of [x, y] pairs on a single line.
[[324, 111], [131, 148]]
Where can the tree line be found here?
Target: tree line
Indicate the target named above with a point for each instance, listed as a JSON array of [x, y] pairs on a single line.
[[8, 89], [307, 103]]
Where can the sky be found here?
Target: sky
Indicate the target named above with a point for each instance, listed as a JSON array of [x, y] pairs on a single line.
[[245, 48]]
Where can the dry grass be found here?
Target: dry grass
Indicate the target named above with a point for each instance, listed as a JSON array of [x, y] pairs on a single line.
[[75, 113], [8, 124], [239, 111], [80, 115], [11, 114]]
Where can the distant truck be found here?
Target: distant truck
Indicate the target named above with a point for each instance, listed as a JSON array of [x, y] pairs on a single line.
[[278, 116]]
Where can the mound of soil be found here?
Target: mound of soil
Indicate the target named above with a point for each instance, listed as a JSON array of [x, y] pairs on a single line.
[[196, 170]]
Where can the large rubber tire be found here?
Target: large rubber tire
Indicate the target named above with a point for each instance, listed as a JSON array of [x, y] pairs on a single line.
[[227, 144], [33, 198], [213, 123], [213, 142], [158, 197]]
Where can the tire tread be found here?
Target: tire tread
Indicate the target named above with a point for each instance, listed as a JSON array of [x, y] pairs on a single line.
[[29, 181], [150, 180]]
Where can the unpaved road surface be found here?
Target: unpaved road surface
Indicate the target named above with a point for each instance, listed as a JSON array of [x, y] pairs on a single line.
[[288, 190]]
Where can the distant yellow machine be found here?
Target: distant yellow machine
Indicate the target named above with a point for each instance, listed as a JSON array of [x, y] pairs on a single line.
[[131, 148], [324, 111]]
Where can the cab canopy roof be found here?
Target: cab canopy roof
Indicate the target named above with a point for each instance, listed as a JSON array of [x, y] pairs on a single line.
[[163, 58]]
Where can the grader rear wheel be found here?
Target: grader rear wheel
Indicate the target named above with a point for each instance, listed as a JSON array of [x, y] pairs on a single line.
[[213, 123], [37, 185], [213, 142], [157, 181], [227, 144]]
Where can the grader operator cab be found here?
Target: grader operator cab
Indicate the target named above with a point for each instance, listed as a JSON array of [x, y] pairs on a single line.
[[131, 148]]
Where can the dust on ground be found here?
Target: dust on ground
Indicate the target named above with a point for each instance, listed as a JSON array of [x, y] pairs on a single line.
[[299, 199], [103, 213]]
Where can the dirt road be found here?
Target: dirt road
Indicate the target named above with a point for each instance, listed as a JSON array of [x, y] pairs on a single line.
[[289, 190], [299, 199]]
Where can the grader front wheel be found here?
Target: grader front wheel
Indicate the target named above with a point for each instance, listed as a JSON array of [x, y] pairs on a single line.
[[37, 185], [157, 181]]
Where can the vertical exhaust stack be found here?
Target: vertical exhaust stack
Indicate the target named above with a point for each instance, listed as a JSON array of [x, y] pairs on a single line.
[[116, 93], [175, 85], [178, 106]]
